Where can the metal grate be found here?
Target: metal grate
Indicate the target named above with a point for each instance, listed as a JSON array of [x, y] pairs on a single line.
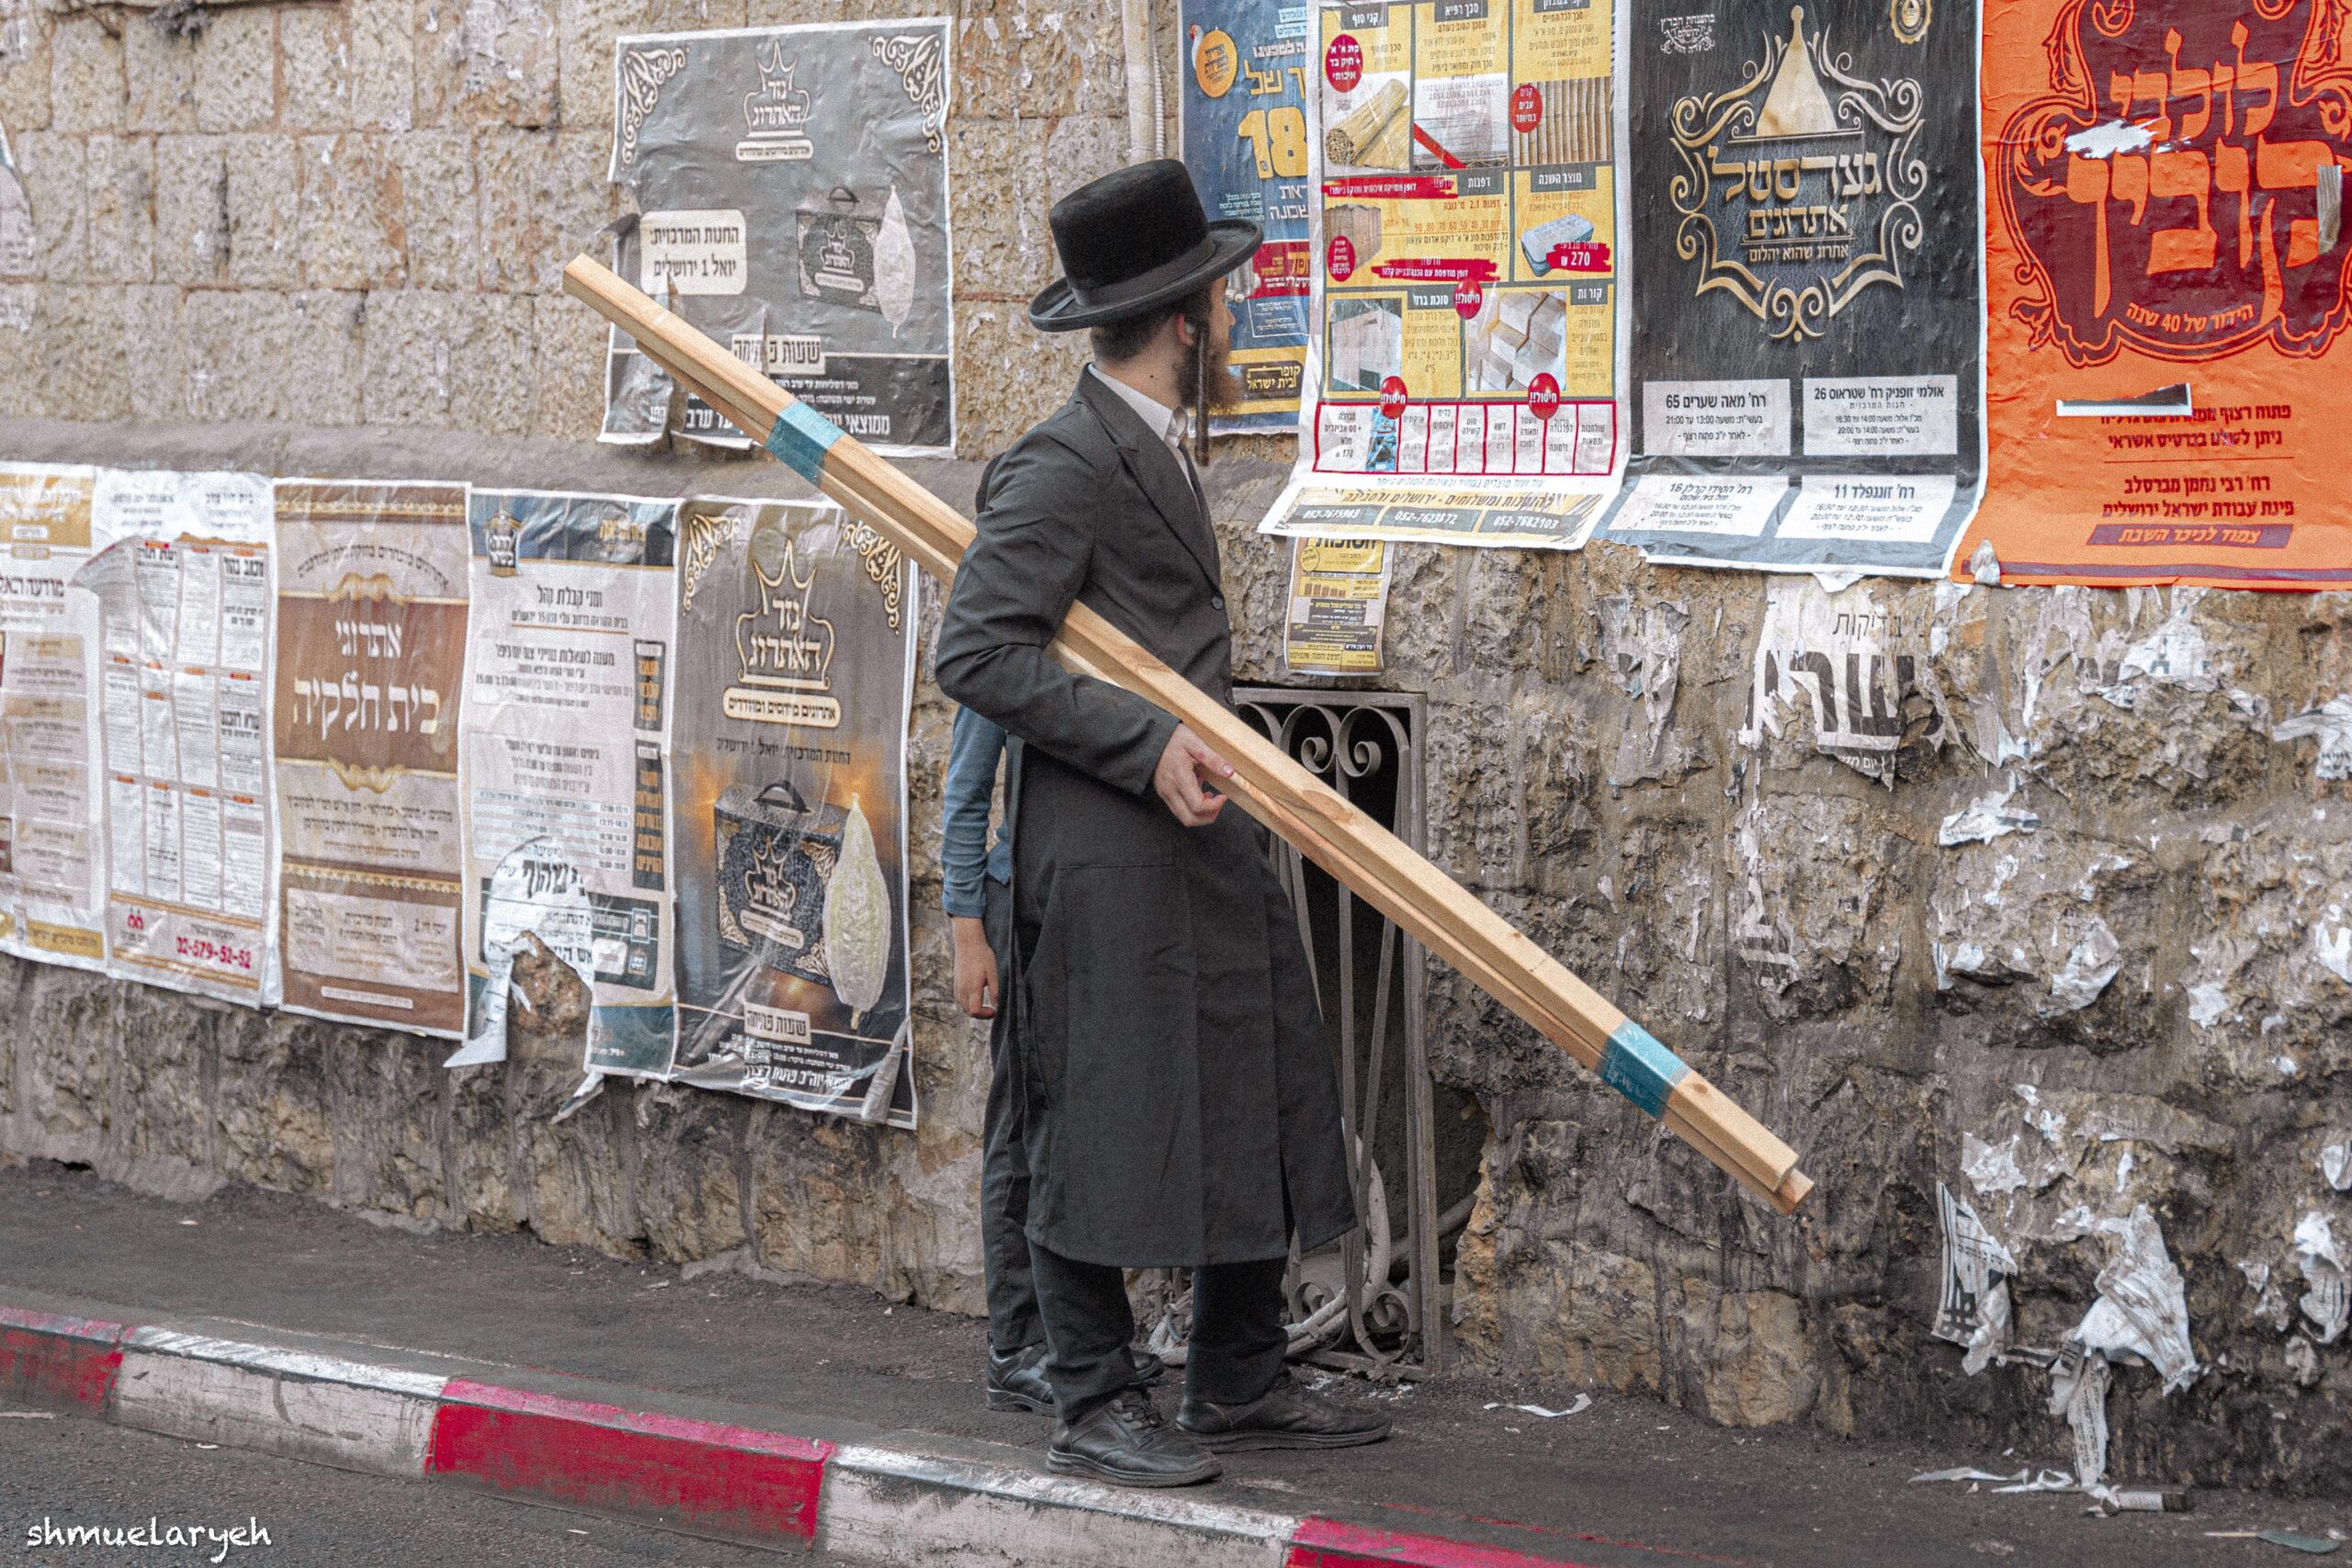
[[1378, 1294]]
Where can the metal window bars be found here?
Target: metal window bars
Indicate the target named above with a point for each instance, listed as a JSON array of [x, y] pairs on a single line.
[[1375, 1303]]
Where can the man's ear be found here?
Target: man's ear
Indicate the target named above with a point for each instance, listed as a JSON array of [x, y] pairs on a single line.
[[1185, 332]]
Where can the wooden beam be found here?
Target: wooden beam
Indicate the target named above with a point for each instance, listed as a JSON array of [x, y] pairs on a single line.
[[1364, 857]]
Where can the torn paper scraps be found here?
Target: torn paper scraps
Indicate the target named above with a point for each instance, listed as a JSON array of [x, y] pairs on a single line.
[[1583, 1403], [2330, 723], [2091, 966], [2142, 1311], [1974, 1309], [2335, 1164], [2078, 1392], [1989, 817], [534, 892], [2325, 1301]]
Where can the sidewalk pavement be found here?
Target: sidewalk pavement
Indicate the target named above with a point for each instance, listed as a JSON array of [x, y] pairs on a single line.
[[797, 1415]]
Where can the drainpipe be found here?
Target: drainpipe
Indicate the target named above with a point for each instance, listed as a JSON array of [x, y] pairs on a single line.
[[1146, 137]]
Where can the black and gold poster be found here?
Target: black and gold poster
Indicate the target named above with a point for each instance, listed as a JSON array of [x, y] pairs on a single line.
[[788, 810], [1808, 284]]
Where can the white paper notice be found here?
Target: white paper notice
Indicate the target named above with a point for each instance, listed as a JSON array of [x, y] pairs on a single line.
[[187, 710], [1715, 418], [199, 607], [244, 609], [127, 823], [196, 721], [701, 251], [1902, 509], [1670, 503], [1881, 416]]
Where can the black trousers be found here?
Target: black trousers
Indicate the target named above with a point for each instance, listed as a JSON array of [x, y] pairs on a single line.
[[1013, 1323], [1236, 1347]]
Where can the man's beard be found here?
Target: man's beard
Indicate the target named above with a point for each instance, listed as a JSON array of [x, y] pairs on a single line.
[[1213, 380]]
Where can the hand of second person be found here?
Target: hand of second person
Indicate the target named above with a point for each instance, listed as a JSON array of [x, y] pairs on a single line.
[[976, 976], [1183, 763]]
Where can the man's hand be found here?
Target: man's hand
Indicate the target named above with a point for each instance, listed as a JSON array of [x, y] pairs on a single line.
[[975, 982], [1185, 763]]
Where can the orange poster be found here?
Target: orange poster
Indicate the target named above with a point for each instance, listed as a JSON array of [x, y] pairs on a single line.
[[2170, 376]]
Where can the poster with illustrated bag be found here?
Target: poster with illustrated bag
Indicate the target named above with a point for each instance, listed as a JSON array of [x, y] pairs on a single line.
[[185, 600], [367, 683], [788, 811], [52, 854], [791, 194], [1466, 365], [564, 760], [2170, 293], [1808, 285], [1243, 112]]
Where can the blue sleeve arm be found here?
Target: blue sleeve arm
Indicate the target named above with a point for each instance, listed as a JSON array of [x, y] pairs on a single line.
[[972, 755]]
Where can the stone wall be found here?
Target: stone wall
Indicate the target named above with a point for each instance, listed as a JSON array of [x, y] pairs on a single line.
[[314, 238]]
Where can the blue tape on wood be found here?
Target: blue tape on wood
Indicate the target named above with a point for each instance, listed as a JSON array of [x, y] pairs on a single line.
[[1641, 1069], [801, 436]]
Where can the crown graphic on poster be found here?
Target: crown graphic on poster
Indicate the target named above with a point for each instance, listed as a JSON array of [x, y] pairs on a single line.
[[775, 116], [783, 653], [1799, 186], [1797, 108], [501, 542]]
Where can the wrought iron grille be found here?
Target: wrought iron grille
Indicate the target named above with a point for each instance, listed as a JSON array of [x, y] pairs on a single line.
[[1372, 1303]]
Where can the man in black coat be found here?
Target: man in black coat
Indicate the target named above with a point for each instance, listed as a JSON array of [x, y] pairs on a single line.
[[1180, 1109]]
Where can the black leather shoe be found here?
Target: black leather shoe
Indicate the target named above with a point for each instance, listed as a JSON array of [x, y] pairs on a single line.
[[1285, 1416], [1129, 1442], [1018, 1381]]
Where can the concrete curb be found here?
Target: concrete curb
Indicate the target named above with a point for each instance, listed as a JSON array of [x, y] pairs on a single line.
[[395, 1413]]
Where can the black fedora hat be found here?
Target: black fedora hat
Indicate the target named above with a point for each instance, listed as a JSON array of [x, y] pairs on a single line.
[[1132, 241]]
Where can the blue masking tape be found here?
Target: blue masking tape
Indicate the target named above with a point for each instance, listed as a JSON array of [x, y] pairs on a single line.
[[1641, 1069], [801, 436]]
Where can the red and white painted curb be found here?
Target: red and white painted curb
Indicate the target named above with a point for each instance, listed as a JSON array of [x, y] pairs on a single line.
[[738, 1482]]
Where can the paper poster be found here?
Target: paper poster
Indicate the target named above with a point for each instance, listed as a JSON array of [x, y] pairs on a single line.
[[564, 757], [791, 190], [52, 850], [19, 246], [366, 693], [186, 599], [1339, 603], [1808, 298], [2168, 255], [1244, 111], [788, 814], [1467, 369]]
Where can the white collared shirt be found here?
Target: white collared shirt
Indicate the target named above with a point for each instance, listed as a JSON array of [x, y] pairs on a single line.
[[1154, 415]]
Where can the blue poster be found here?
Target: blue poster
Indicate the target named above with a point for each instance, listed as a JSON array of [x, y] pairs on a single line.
[[1244, 117]]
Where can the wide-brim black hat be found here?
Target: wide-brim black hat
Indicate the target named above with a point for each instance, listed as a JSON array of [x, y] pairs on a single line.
[[1134, 240]]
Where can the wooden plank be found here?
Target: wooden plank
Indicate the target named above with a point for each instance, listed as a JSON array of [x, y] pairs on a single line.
[[1371, 862]]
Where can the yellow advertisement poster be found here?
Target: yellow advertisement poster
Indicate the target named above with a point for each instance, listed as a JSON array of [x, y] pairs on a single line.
[[1339, 603], [1466, 365]]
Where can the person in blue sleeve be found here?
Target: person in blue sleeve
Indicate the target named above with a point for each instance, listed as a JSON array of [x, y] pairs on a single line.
[[978, 874]]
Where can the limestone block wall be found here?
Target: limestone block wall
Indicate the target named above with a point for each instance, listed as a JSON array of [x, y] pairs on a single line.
[[322, 238]]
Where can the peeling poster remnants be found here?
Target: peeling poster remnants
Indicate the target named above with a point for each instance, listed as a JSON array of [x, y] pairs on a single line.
[[535, 893], [1833, 657], [1975, 1308]]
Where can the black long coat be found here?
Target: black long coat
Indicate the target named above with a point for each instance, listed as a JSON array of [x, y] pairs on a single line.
[[1180, 1098]]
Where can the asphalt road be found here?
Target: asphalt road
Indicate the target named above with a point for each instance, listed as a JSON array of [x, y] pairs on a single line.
[[1627, 1467], [64, 1472]]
